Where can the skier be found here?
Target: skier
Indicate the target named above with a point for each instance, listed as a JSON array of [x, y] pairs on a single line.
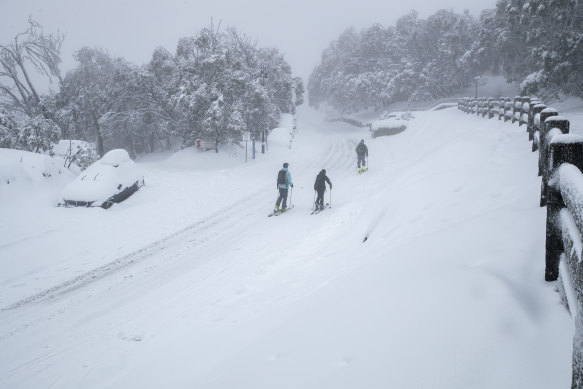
[[284, 181], [361, 152], [320, 188]]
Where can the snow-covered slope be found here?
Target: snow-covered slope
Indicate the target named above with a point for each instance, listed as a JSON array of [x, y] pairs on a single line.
[[188, 284]]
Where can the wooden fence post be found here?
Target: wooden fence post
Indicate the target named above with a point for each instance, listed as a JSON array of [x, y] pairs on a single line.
[[550, 129], [535, 107], [561, 152], [554, 239], [501, 108], [524, 109], [577, 379], [545, 113], [492, 108], [507, 110], [516, 106]]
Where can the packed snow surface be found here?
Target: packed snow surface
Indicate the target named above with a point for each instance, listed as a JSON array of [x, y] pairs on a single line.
[[188, 283]]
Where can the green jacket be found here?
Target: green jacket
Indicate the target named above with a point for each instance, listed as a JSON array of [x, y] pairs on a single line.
[[361, 149]]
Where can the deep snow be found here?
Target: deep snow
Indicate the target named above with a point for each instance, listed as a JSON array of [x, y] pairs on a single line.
[[187, 284]]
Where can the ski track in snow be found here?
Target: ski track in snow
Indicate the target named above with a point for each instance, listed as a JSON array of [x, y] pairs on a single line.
[[129, 259]]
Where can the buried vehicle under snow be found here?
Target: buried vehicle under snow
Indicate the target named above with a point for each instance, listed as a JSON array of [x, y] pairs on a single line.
[[112, 179]]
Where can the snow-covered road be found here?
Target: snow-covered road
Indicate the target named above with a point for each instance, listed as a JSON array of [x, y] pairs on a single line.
[[189, 284]]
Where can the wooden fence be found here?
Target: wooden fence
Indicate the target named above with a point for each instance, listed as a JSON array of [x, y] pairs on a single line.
[[560, 165]]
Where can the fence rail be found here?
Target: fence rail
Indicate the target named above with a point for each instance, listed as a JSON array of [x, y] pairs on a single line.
[[560, 165]]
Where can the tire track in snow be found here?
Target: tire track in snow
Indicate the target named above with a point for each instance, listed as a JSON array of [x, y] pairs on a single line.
[[100, 272]]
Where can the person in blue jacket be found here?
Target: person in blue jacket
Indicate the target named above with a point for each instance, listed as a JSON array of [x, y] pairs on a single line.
[[284, 181]]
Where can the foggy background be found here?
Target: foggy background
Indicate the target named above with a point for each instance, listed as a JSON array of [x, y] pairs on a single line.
[[300, 29]]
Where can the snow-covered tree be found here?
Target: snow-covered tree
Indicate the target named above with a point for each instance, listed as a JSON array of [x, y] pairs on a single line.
[[221, 85], [8, 130], [89, 90], [538, 43], [414, 60], [31, 59], [38, 134], [29, 50], [299, 90]]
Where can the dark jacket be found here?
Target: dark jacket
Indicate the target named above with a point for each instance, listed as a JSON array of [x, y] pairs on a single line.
[[321, 179], [361, 149]]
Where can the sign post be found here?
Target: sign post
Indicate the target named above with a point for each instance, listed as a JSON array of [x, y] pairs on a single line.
[[246, 138], [476, 79]]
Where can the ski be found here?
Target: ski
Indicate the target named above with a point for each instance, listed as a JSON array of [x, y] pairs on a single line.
[[277, 213], [317, 211], [286, 210]]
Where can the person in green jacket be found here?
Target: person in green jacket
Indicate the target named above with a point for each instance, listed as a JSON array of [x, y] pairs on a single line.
[[361, 153]]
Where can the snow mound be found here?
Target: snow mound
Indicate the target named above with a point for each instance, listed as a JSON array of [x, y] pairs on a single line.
[[286, 120], [115, 158], [18, 166], [391, 124], [280, 137]]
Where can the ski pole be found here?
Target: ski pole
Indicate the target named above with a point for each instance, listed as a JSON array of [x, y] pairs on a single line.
[[314, 203], [290, 196], [330, 197]]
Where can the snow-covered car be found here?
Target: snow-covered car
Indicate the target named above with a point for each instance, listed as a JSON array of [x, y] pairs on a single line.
[[112, 179]]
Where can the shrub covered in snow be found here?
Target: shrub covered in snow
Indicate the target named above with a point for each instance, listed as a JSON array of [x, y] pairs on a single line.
[[76, 152], [34, 134], [8, 130], [110, 180]]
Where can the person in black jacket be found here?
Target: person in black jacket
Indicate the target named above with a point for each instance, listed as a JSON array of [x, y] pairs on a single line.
[[320, 188]]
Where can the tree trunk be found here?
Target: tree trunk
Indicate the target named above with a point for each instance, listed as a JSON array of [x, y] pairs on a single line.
[[152, 143], [100, 150]]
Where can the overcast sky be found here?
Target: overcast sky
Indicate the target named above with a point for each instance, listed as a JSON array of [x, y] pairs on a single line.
[[300, 29]]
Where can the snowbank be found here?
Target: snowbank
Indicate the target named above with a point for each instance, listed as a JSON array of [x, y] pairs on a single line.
[[18, 166], [391, 124], [286, 121]]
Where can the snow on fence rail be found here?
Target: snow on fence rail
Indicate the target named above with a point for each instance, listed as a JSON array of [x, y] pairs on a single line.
[[560, 166]]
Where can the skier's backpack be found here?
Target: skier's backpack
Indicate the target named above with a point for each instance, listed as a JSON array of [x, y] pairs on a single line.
[[281, 177]]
